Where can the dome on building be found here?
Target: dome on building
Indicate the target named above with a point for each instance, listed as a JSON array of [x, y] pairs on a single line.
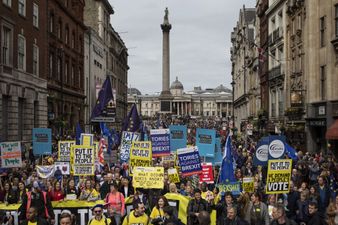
[[222, 88], [133, 91], [176, 84]]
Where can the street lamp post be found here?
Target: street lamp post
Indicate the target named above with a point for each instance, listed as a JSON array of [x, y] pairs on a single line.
[[233, 102]]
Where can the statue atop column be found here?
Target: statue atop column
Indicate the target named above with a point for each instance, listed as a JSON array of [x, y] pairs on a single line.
[[166, 19]]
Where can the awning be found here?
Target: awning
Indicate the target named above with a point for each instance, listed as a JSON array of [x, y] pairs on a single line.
[[332, 132]]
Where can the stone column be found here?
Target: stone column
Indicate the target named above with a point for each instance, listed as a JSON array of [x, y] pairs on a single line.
[[166, 26]]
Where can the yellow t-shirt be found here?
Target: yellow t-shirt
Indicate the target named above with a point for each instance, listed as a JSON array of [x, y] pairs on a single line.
[[155, 213], [99, 222], [131, 219], [31, 223]]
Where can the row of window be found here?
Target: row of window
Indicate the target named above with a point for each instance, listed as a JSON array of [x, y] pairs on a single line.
[[66, 36], [20, 118], [7, 46], [22, 10]]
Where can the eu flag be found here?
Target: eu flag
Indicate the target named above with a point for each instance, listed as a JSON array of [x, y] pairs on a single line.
[[105, 132], [133, 121], [78, 132], [105, 95], [227, 169], [291, 152]]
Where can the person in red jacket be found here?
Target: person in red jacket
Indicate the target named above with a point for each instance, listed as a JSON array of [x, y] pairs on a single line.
[[56, 194]]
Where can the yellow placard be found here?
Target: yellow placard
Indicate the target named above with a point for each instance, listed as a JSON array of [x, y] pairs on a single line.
[[173, 175], [87, 139], [248, 184], [82, 160], [148, 177], [64, 149], [279, 175], [140, 154]]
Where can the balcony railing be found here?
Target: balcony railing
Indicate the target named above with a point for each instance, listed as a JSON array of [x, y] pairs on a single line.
[[275, 36], [275, 72]]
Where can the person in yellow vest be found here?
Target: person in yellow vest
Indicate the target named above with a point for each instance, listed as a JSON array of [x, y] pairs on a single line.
[[157, 214], [137, 216], [99, 218]]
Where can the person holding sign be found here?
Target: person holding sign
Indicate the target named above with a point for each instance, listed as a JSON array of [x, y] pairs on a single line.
[[89, 193]]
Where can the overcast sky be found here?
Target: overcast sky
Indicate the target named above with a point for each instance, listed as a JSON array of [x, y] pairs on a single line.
[[199, 40]]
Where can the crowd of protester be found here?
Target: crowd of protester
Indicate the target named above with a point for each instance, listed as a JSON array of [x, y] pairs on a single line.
[[311, 201]]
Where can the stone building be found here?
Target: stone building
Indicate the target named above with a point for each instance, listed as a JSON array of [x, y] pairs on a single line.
[[245, 67], [106, 55], [321, 69], [65, 73], [23, 72], [198, 102], [276, 14]]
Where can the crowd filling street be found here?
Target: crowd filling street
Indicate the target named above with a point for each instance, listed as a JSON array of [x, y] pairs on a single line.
[[112, 198]]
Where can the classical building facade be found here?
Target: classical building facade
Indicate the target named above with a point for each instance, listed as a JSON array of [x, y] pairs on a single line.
[[23, 59], [209, 102], [244, 58], [321, 69], [106, 55], [65, 64]]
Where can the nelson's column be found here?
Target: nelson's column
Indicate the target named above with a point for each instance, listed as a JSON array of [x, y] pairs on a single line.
[[166, 97]]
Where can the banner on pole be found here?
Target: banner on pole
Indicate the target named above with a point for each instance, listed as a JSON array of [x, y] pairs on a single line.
[[178, 137], [148, 177], [173, 175], [207, 174], [11, 154], [64, 150], [233, 187], [140, 154], [126, 142], [45, 172], [205, 141], [83, 160], [248, 184], [261, 152], [279, 175], [276, 148], [42, 141], [160, 142], [189, 160]]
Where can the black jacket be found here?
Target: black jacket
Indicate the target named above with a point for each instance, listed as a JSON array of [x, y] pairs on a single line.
[[39, 202], [130, 191], [287, 222], [196, 207], [40, 221], [317, 219], [236, 221]]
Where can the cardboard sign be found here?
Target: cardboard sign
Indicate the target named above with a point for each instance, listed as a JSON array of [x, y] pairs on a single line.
[[140, 154], [207, 174], [83, 160], [11, 154], [248, 184], [42, 141], [205, 141], [160, 142], [189, 160], [178, 137], [87, 139], [126, 143], [170, 160], [233, 187], [64, 149], [64, 167], [279, 175], [148, 177], [173, 175]]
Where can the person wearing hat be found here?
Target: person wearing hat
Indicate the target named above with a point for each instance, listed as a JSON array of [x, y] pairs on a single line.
[[39, 200], [99, 218]]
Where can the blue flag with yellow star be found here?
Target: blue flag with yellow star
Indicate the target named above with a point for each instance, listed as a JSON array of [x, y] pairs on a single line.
[[227, 168], [105, 95], [133, 121]]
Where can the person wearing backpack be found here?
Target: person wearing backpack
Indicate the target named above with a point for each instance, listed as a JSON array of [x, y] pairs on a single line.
[[99, 218]]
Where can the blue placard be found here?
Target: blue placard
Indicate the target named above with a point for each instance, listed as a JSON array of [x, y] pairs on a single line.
[[276, 147], [218, 157], [178, 137], [261, 152], [205, 141], [189, 160], [42, 141], [233, 187], [160, 142]]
